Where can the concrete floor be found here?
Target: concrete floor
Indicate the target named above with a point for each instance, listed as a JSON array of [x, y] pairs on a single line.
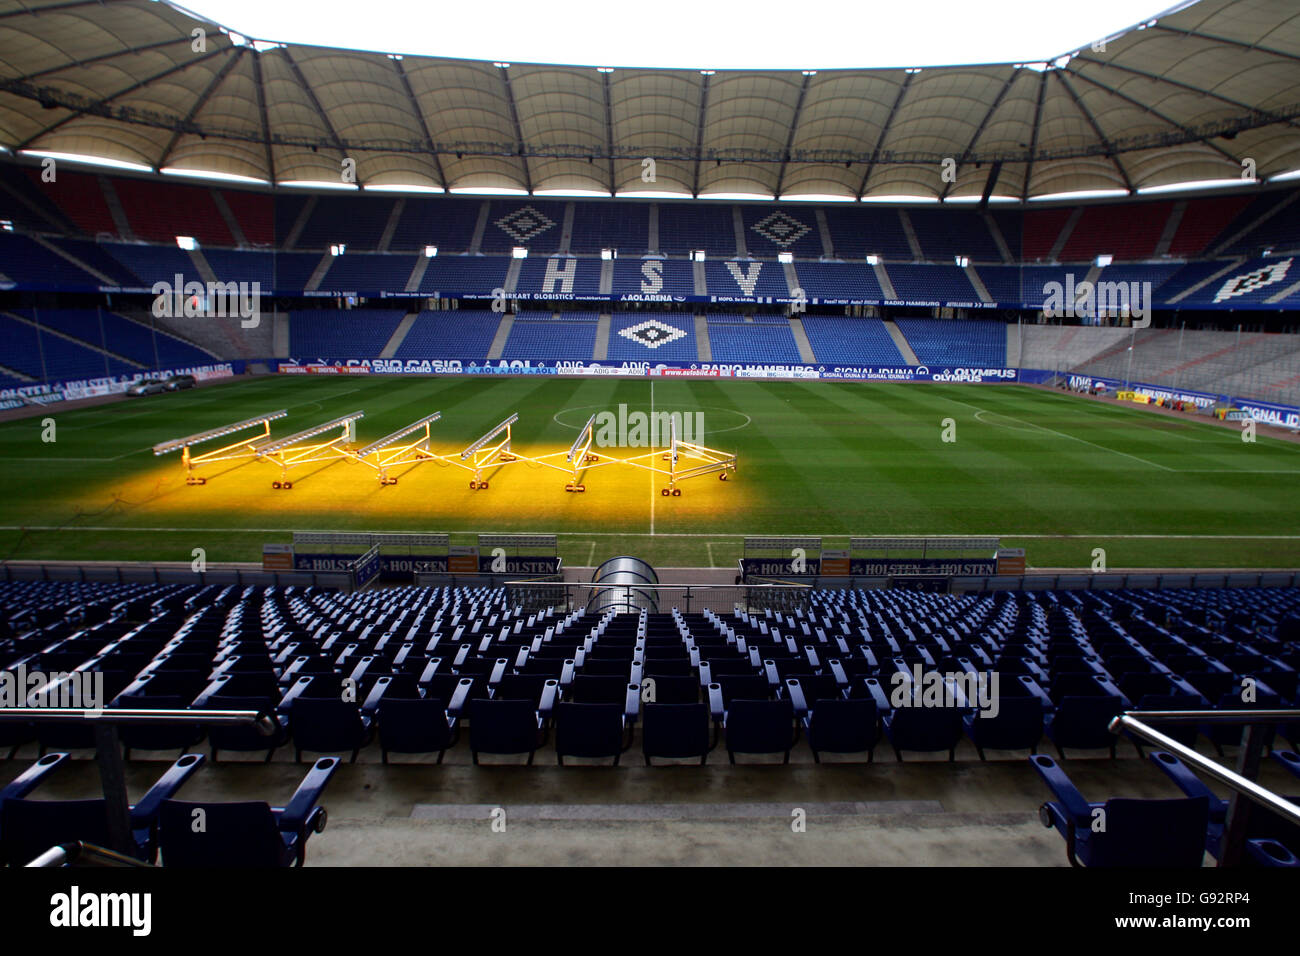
[[924, 812]]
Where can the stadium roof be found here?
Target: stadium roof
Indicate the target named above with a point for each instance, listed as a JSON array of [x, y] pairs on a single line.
[[1185, 97]]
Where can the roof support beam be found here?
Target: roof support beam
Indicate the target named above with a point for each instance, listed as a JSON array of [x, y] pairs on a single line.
[[311, 97], [979, 130], [884, 131], [1156, 78], [1213, 38], [1101, 137], [990, 181], [56, 8], [419, 115], [145, 48], [99, 104], [1033, 140], [609, 129], [261, 111], [198, 103], [794, 128], [1157, 114], [519, 130], [699, 133]]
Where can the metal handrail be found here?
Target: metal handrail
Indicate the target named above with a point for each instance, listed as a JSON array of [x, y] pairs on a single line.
[[262, 721], [1247, 788], [1216, 716], [66, 854]]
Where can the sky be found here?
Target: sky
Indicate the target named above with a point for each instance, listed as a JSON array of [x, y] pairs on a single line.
[[690, 34]]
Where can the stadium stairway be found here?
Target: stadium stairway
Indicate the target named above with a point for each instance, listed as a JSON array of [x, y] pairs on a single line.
[[600, 351], [503, 334], [399, 335], [801, 339], [702, 339], [900, 340], [886, 283]]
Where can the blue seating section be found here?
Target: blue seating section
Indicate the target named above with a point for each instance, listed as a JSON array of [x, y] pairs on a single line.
[[835, 280], [851, 341], [1251, 283], [341, 333], [48, 357], [687, 226], [660, 277], [24, 260], [860, 231], [793, 229], [120, 335], [462, 333], [599, 225], [658, 329], [95, 256], [231, 266], [746, 277], [586, 275], [944, 233], [917, 283], [982, 344], [356, 221], [447, 223], [535, 224], [752, 342], [537, 335], [459, 274], [153, 263], [368, 272]]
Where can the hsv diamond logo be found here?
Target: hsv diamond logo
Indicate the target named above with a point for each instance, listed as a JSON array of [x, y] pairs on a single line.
[[781, 228], [652, 333], [1248, 282], [523, 224]]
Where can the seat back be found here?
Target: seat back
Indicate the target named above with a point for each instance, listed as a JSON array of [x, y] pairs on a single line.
[[588, 730], [503, 726], [220, 835], [413, 725], [1148, 833], [675, 730], [844, 726], [760, 726]]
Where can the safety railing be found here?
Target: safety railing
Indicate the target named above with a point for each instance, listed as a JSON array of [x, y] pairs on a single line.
[[108, 749], [1258, 731]]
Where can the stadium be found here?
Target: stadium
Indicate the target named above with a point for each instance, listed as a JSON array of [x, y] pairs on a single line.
[[669, 466]]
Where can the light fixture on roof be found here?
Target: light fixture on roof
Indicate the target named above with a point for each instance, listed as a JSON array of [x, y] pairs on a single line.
[[808, 72], [188, 243], [707, 72], [394, 56], [519, 252], [1104, 259], [430, 251], [912, 69], [501, 65], [604, 69]]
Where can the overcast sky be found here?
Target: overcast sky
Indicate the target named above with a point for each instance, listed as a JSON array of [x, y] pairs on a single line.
[[695, 34]]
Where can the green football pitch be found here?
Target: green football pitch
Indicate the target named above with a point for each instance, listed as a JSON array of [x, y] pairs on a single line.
[[1059, 475]]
